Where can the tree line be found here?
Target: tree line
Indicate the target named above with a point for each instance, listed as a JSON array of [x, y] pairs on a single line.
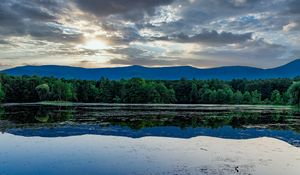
[[279, 91]]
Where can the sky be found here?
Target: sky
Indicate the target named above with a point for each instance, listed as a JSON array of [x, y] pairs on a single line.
[[152, 33]]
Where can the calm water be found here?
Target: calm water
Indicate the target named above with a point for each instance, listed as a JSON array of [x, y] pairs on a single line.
[[114, 139]]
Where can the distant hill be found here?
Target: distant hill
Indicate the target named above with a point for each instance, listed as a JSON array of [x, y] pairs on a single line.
[[289, 70]]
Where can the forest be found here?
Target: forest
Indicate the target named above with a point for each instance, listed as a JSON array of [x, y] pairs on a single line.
[[281, 91]]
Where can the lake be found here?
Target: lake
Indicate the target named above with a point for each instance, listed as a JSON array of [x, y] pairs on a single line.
[[46, 138]]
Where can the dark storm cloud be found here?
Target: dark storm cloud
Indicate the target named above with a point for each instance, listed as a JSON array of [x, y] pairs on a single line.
[[52, 33], [127, 34], [129, 8], [196, 15], [238, 5], [55, 6], [31, 10], [36, 18], [210, 37], [294, 7], [10, 22], [28, 10], [210, 9]]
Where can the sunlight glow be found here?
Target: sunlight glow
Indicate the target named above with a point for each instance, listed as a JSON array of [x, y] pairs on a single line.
[[94, 44]]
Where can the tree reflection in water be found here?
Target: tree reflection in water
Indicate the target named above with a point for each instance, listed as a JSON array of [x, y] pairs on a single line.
[[43, 115]]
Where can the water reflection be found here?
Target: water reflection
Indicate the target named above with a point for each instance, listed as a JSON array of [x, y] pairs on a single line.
[[151, 120], [97, 154]]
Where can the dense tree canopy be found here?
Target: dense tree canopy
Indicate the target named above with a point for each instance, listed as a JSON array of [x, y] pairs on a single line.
[[276, 97], [294, 92], [1, 93], [43, 91], [137, 90]]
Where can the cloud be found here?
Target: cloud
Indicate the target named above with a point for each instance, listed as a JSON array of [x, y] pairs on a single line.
[[209, 10], [194, 16], [294, 7], [256, 53], [124, 34], [235, 3], [291, 26], [53, 33], [129, 52], [137, 56], [10, 22], [250, 49], [131, 9], [253, 53], [4, 42], [36, 18], [151, 32], [209, 37], [141, 61], [31, 11]]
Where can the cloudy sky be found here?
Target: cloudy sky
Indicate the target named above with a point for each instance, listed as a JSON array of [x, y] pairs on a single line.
[[109, 33]]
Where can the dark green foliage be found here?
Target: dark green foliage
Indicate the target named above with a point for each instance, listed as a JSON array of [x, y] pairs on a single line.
[[194, 94], [137, 90], [166, 95], [105, 89], [237, 97], [182, 89], [286, 98], [247, 98], [62, 91], [1, 93], [256, 97], [87, 91], [213, 96], [43, 91], [294, 91], [221, 96], [276, 97]]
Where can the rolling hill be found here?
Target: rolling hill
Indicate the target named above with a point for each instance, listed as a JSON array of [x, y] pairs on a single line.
[[289, 70]]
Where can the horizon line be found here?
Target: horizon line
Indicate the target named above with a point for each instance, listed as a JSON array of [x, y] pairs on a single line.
[[150, 67]]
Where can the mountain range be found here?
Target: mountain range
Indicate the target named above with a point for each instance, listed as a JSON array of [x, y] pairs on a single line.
[[289, 70]]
